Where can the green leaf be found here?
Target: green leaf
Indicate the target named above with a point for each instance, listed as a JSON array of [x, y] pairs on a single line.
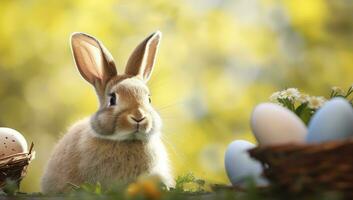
[[306, 115], [98, 189], [300, 109], [11, 187]]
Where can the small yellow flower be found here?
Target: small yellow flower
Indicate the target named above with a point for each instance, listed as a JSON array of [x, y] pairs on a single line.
[[151, 190], [148, 188], [133, 189]]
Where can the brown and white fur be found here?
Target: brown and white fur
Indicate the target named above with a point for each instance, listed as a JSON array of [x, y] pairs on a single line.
[[122, 140]]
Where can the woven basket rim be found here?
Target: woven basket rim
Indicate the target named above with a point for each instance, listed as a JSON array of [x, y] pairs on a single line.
[[14, 156], [291, 146]]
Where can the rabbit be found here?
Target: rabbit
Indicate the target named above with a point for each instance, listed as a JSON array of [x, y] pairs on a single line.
[[122, 140]]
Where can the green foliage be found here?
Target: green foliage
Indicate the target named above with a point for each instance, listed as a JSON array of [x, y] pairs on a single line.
[[95, 189], [11, 187], [189, 183], [337, 92], [305, 106], [304, 112], [182, 191]]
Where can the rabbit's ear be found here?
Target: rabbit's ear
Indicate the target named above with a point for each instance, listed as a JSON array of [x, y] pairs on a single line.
[[142, 59], [92, 59]]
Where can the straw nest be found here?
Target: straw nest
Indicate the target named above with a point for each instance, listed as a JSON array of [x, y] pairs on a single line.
[[307, 168], [14, 167]]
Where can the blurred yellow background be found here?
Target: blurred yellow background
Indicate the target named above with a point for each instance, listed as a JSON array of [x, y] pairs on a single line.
[[218, 59]]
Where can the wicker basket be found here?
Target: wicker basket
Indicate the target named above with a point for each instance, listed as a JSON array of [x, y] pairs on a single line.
[[298, 168], [14, 167]]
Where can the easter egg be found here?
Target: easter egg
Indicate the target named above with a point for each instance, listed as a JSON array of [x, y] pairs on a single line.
[[11, 142], [273, 124], [333, 121], [240, 166]]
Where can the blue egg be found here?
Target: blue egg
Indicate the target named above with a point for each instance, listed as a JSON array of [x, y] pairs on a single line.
[[333, 121], [240, 166]]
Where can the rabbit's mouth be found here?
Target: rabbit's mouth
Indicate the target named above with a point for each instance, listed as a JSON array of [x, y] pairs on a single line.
[[120, 135], [137, 136], [139, 133]]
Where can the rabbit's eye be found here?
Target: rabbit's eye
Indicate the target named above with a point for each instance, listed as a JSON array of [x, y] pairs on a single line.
[[149, 99], [112, 101]]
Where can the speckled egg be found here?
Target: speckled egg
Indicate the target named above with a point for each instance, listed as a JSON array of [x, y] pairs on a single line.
[[273, 124], [11, 142], [333, 121], [240, 166]]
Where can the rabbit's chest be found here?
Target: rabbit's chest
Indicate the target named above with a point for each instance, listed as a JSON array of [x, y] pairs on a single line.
[[116, 163]]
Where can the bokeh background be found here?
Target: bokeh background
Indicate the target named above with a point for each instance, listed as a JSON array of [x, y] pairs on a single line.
[[217, 60]]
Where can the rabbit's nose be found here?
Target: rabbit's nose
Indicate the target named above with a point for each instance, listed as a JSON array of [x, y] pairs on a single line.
[[140, 119], [137, 116]]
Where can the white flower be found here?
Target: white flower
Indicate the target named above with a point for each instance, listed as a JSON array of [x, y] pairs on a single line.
[[337, 90], [303, 98], [316, 102], [290, 93], [275, 96]]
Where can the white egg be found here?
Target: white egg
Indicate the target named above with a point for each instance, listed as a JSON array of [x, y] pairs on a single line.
[[273, 124], [333, 121], [240, 166], [11, 142]]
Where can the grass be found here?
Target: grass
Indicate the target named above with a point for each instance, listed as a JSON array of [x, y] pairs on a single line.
[[187, 187]]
